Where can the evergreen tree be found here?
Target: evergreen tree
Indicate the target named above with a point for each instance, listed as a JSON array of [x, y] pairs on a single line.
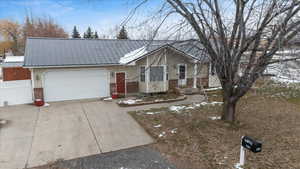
[[88, 34], [123, 34], [96, 35], [75, 33]]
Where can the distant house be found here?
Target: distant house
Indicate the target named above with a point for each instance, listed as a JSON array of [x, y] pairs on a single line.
[[12, 69], [67, 69]]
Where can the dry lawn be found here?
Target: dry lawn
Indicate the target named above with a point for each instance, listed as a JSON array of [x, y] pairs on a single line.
[[202, 143]]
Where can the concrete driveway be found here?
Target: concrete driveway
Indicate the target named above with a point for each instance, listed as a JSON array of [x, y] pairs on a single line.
[[65, 130]]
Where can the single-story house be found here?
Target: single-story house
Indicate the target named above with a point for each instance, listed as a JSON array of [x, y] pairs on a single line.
[[67, 69], [12, 69]]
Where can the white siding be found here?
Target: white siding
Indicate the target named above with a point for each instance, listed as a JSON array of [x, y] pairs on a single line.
[[15, 92]]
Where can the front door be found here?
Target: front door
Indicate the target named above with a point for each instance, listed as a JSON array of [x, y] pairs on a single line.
[[182, 75], [120, 82]]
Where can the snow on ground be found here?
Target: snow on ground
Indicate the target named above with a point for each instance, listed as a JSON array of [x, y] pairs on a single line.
[[211, 103], [177, 108], [288, 72], [107, 99], [130, 101], [3, 121], [157, 126], [215, 117], [162, 134], [131, 56], [174, 131], [152, 113], [212, 89], [285, 72], [238, 166]]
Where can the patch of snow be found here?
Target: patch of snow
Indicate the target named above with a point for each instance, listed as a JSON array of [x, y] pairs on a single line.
[[177, 108], [197, 105], [158, 100], [133, 55], [162, 134], [211, 103], [46, 104], [214, 103], [3, 122], [173, 131], [212, 89], [107, 99], [238, 166], [123, 168], [285, 72], [215, 117], [286, 51], [152, 113], [130, 101], [157, 126], [190, 107], [14, 59]]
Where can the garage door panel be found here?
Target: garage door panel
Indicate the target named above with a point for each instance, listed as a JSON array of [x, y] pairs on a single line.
[[79, 84]]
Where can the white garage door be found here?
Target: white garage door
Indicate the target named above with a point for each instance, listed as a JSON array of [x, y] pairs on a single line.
[[75, 84]]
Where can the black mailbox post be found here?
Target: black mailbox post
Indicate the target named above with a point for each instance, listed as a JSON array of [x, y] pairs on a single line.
[[251, 144]]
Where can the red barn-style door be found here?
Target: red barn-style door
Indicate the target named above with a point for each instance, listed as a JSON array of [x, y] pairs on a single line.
[[120, 82]]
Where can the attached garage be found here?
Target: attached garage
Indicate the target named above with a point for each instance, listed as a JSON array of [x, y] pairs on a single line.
[[65, 84]]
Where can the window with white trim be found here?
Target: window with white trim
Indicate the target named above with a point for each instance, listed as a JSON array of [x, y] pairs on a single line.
[[156, 73], [182, 71]]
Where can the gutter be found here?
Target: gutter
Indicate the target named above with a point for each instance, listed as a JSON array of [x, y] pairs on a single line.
[[70, 66]]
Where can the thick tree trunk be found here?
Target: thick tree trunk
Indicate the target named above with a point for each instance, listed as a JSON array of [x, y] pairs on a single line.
[[228, 110]]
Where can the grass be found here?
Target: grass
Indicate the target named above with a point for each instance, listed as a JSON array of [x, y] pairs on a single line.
[[269, 113]]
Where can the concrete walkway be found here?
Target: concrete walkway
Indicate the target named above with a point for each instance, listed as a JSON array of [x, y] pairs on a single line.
[[67, 130]]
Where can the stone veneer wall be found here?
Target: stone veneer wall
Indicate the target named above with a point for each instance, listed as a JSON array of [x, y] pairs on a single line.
[[131, 87]]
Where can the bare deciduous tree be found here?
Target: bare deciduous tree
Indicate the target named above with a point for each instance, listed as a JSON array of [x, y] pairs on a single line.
[[254, 28], [11, 31], [235, 30], [42, 27]]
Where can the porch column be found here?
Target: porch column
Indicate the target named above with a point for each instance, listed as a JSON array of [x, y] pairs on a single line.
[[195, 75]]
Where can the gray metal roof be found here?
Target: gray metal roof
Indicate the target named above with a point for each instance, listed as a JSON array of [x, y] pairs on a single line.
[[43, 52]]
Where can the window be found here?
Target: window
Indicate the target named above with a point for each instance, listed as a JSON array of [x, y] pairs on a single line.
[[182, 71], [156, 73], [213, 69], [142, 74]]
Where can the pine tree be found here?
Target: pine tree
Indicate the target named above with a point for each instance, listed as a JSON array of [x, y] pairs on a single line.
[[75, 33], [123, 34], [96, 35], [88, 34]]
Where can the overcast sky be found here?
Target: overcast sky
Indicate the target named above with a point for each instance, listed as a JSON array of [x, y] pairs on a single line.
[[101, 15]]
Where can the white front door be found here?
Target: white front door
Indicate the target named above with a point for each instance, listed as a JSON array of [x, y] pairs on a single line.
[[76, 84], [213, 80], [182, 74]]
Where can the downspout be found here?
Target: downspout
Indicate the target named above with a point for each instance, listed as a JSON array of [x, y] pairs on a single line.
[[32, 84]]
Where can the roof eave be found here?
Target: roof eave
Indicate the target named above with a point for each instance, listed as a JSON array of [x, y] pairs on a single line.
[[67, 66], [166, 46]]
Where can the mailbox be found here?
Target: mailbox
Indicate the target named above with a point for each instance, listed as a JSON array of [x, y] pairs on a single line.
[[251, 144]]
